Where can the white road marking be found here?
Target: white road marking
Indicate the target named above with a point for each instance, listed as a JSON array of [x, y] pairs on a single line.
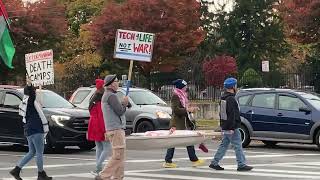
[[172, 176], [298, 166], [252, 173]]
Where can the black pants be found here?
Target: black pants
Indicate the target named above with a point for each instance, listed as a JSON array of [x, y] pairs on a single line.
[[191, 152]]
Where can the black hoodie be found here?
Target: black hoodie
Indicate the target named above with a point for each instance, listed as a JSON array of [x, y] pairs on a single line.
[[229, 106]]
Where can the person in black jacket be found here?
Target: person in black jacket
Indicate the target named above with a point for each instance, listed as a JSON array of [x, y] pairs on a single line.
[[230, 123], [35, 128]]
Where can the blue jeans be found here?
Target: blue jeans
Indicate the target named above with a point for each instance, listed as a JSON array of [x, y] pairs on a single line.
[[235, 140], [36, 147], [191, 152], [103, 149]]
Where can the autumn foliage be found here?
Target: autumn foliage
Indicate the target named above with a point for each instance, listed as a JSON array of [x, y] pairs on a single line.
[[302, 19], [175, 23], [34, 27], [217, 69]]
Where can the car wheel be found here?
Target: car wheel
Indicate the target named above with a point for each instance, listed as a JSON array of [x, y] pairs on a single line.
[[245, 136], [270, 143], [87, 147], [318, 139], [144, 126]]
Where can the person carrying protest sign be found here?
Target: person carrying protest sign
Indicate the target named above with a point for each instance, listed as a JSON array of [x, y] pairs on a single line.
[[113, 113], [35, 127], [180, 121]]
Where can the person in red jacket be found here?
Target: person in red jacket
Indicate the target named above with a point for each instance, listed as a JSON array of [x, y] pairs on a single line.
[[97, 129]]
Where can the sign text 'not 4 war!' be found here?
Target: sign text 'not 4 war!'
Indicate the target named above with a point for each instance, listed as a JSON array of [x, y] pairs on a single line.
[[133, 45]]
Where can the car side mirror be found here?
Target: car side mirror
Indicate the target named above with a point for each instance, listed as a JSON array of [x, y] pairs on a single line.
[[304, 109]]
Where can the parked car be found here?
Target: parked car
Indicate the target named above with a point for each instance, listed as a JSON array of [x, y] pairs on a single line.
[[67, 123], [279, 115], [148, 112]]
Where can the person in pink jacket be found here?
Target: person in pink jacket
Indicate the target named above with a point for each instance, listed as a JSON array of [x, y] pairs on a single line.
[[97, 129]]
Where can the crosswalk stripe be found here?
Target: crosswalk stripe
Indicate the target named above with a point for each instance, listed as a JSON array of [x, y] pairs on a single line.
[[250, 173], [286, 171], [177, 159], [167, 176], [298, 166]]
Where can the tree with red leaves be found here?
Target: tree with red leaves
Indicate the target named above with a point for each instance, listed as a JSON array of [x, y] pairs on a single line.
[[216, 70], [302, 18], [34, 27], [175, 23]]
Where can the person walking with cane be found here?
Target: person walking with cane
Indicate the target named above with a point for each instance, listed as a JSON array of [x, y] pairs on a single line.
[[230, 123]]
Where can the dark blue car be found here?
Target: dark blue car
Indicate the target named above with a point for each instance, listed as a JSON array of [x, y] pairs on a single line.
[[279, 115]]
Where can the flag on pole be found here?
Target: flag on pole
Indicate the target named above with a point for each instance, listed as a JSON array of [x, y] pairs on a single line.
[[7, 49]]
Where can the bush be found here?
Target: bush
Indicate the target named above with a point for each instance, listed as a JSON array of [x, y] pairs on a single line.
[[250, 79]]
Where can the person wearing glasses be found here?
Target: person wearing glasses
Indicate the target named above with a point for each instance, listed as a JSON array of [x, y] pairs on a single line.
[[114, 110]]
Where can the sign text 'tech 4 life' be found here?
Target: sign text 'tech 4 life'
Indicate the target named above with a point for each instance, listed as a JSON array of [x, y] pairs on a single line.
[[134, 45], [39, 66]]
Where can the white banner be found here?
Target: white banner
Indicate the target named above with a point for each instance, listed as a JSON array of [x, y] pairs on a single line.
[[133, 45], [39, 67]]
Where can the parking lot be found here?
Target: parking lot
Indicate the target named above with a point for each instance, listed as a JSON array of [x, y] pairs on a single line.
[[285, 161]]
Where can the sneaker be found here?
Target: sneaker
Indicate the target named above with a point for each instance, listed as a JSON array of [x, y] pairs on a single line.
[[169, 165], [245, 168], [200, 162], [216, 167], [95, 173]]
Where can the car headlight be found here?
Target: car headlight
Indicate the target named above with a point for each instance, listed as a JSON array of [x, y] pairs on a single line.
[[163, 115], [57, 119]]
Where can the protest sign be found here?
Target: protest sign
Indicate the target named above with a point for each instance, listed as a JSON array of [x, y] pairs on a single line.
[[39, 66], [133, 45]]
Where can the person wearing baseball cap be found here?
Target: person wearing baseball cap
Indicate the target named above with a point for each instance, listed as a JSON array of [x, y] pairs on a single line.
[[230, 123]]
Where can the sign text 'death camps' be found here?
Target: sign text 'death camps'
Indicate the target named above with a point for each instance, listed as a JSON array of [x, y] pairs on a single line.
[[39, 66], [133, 45]]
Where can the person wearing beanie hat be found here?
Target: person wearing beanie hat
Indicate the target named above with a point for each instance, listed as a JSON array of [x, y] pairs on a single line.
[[96, 128], [35, 129], [181, 121], [113, 113], [230, 123]]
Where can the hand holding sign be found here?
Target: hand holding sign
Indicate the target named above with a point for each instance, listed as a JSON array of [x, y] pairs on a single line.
[[29, 82]]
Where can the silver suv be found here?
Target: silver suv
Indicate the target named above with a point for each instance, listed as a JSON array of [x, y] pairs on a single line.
[[147, 111]]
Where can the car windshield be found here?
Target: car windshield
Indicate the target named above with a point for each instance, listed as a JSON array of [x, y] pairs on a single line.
[[145, 98], [313, 99], [50, 99]]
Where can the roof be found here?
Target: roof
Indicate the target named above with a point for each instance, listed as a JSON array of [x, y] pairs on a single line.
[[10, 87], [267, 90], [122, 88]]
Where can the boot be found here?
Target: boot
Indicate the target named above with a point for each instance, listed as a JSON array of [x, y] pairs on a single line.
[[15, 172], [43, 176]]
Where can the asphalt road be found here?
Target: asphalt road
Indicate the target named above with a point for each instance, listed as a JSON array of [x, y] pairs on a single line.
[[286, 161]]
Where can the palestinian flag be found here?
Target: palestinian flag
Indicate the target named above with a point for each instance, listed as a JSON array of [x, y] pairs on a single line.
[[6, 46]]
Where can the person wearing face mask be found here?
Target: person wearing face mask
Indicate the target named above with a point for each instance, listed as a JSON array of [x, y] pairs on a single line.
[[180, 121], [230, 123]]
